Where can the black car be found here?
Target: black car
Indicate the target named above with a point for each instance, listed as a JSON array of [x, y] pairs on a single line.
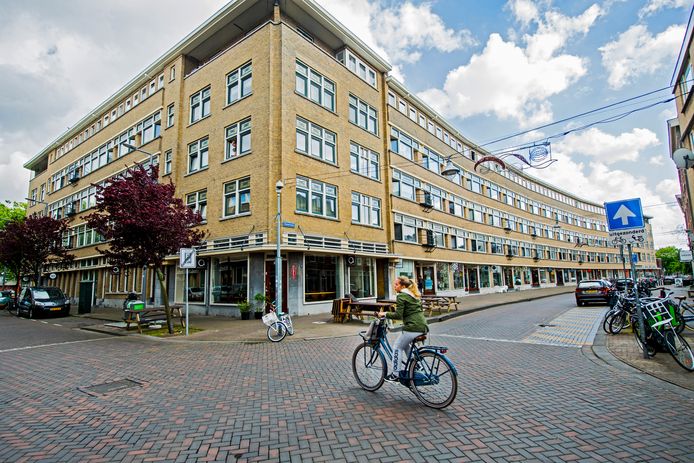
[[624, 283], [593, 291], [43, 300]]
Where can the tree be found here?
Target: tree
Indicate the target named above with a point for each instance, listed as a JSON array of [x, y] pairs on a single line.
[[28, 245], [143, 222], [9, 212], [670, 257]]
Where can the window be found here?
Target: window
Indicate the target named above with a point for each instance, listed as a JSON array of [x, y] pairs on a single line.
[[363, 115], [357, 66], [229, 281], [197, 155], [364, 162], [160, 83], [149, 129], [404, 185], [316, 198], [170, 115], [391, 99], [237, 197], [366, 210], [200, 105], [314, 86], [405, 229], [402, 144], [168, 159], [321, 276], [172, 73], [238, 139], [198, 202], [686, 81], [361, 277], [315, 141], [239, 83]]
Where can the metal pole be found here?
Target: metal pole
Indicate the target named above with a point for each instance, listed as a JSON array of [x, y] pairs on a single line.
[[278, 256], [624, 264], [144, 284], [639, 312], [186, 302]]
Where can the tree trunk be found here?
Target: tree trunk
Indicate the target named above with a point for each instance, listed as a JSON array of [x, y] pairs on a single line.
[[165, 296]]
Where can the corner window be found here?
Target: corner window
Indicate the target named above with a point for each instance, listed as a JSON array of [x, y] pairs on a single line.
[[315, 141], [312, 85], [237, 139], [316, 198], [239, 83]]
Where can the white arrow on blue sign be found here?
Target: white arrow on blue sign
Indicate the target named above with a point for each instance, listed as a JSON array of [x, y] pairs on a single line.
[[624, 215]]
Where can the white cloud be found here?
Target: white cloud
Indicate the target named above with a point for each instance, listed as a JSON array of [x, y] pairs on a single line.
[[636, 52], [511, 82], [668, 188], [608, 148], [525, 11], [654, 5], [656, 161]]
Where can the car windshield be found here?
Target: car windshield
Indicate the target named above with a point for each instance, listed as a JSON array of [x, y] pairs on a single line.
[[589, 284], [48, 294], [5, 293]]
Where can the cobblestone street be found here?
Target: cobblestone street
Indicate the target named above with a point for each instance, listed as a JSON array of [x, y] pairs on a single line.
[[520, 399]]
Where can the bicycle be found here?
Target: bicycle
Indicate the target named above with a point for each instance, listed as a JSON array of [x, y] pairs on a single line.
[[278, 327], [428, 373], [661, 332]]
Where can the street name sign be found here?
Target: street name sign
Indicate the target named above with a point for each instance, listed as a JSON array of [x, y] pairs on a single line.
[[187, 258]]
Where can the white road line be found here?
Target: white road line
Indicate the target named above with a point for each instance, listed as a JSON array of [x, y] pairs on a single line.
[[514, 341], [53, 344]]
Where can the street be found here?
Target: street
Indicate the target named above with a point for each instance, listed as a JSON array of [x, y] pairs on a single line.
[[526, 394]]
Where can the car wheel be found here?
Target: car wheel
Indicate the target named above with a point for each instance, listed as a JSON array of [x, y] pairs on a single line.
[[31, 312]]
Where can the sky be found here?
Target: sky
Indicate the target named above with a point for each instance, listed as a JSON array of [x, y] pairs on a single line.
[[493, 69]]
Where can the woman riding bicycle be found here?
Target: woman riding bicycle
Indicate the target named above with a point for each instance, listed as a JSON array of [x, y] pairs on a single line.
[[409, 310]]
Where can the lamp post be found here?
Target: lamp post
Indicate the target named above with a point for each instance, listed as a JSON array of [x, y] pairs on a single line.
[[278, 257], [38, 201], [135, 148], [684, 159]]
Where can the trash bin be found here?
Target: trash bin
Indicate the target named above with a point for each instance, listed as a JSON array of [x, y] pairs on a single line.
[[135, 305]]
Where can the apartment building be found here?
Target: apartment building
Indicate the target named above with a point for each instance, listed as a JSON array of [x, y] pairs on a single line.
[[265, 92], [680, 131]]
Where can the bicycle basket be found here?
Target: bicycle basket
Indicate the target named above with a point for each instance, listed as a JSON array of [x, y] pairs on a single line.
[[657, 314], [270, 318]]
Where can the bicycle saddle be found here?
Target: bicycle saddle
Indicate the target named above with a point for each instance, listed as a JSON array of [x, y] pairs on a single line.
[[680, 298], [420, 338]]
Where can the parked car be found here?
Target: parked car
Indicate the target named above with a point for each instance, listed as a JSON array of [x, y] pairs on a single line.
[[593, 291], [43, 300], [6, 299], [669, 280], [624, 283]]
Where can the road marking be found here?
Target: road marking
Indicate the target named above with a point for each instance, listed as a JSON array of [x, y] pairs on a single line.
[[14, 349], [514, 341], [57, 324]]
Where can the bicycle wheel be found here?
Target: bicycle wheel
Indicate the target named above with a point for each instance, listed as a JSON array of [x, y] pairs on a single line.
[[637, 335], [680, 350], [369, 367], [606, 322], [290, 327], [276, 332], [618, 322], [433, 380]]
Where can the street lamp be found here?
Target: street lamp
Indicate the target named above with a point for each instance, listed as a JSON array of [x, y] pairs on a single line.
[[278, 257], [134, 148], [38, 201]]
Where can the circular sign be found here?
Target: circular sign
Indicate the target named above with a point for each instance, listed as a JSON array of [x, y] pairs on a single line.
[[52, 276], [115, 270], [25, 279]]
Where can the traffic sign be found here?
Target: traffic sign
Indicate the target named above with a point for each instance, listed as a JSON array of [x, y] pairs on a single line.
[[635, 236], [625, 214], [187, 258], [634, 257], [685, 255], [288, 224]]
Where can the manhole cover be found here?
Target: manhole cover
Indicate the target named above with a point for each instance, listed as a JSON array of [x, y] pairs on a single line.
[[107, 388], [546, 325]]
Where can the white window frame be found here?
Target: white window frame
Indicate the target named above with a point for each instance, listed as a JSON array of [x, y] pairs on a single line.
[[198, 155], [367, 210], [197, 201], [363, 115], [364, 162], [200, 104], [238, 79], [237, 134], [234, 192], [168, 161], [317, 189], [316, 141], [307, 79]]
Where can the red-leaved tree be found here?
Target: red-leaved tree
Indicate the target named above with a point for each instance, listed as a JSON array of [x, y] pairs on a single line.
[[28, 245], [143, 222]]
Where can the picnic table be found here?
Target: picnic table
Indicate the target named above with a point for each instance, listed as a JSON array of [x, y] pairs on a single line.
[[345, 309], [439, 303]]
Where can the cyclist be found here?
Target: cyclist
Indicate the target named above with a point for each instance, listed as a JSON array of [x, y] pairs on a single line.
[[409, 310]]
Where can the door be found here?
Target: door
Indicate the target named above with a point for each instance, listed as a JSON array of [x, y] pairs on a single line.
[[473, 283], [560, 277], [270, 283], [86, 295], [535, 276], [508, 277], [428, 275]]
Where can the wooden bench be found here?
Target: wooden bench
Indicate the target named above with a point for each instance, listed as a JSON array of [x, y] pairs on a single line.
[[439, 303], [152, 315], [340, 310], [690, 293]]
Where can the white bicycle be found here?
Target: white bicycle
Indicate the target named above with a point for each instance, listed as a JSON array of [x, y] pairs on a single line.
[[278, 328]]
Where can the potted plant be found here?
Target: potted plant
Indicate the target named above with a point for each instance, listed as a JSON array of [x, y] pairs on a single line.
[[245, 309], [260, 306]]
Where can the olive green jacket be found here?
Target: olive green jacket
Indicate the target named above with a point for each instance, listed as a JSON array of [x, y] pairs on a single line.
[[409, 310]]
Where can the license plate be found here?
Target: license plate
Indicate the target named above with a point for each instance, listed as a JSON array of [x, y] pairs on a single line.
[[591, 291], [55, 309]]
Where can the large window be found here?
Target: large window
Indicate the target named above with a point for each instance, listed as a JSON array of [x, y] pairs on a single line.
[[200, 105], [363, 115], [314, 140], [229, 281], [404, 185], [239, 83], [197, 155], [196, 285], [402, 144], [238, 139], [364, 162], [316, 198], [197, 201], [361, 277], [314, 86], [237, 197], [320, 282], [366, 210], [357, 66], [405, 229]]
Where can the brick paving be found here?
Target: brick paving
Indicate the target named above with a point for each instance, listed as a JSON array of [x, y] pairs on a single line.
[[297, 401]]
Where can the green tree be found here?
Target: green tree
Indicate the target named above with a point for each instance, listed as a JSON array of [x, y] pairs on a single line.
[[10, 211], [670, 257]]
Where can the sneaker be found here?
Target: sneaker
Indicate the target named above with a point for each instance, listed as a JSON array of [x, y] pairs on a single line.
[[392, 378]]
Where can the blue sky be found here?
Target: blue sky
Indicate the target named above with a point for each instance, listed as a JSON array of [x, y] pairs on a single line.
[[492, 68]]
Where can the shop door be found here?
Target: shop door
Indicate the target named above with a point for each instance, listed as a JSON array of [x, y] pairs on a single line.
[[473, 283], [381, 278], [535, 277], [270, 282], [560, 277], [428, 285], [508, 277], [86, 296]]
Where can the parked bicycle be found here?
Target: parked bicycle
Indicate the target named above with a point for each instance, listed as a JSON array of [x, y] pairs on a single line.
[[428, 373], [278, 327], [661, 333]]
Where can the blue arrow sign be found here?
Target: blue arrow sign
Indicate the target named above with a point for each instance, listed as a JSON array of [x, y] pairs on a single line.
[[624, 215], [634, 258]]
